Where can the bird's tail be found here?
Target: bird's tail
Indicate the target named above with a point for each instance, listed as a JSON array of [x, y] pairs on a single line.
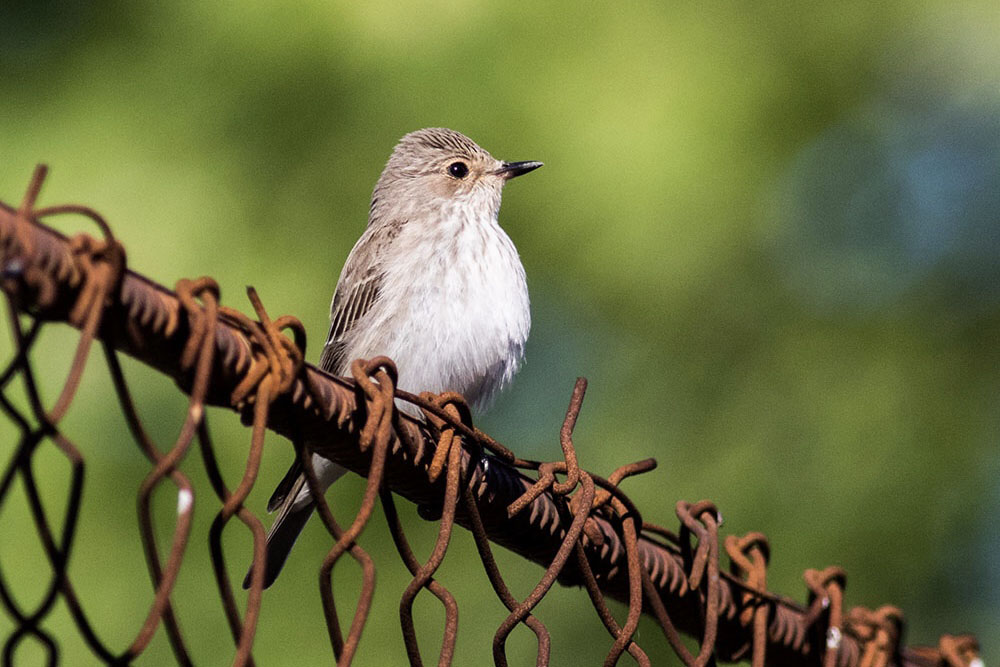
[[287, 526], [294, 506]]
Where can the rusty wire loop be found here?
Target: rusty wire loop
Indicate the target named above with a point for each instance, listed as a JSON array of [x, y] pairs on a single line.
[[748, 555], [702, 520], [826, 590], [375, 381], [520, 612], [481, 537], [547, 478], [275, 364], [163, 584], [165, 465], [360, 556], [879, 632], [630, 522], [961, 650], [581, 528], [448, 451]]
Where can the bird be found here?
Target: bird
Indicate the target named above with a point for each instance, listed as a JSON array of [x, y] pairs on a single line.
[[434, 283]]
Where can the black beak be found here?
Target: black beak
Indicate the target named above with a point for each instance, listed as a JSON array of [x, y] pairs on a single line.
[[511, 169]]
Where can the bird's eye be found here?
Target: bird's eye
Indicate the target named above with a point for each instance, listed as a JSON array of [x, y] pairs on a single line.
[[458, 169]]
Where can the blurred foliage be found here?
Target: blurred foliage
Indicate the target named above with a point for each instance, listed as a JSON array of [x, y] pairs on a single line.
[[768, 235]]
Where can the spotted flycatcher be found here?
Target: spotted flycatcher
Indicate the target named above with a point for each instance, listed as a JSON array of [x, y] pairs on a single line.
[[433, 283]]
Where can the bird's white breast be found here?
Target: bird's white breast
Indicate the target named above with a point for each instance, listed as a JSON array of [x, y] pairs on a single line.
[[453, 310]]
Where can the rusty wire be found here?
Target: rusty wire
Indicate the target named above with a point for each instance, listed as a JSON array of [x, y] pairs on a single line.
[[582, 528]]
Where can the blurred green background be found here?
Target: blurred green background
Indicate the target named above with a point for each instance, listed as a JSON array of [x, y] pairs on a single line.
[[768, 234]]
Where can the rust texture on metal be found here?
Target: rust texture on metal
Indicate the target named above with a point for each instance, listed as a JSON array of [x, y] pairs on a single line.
[[581, 528]]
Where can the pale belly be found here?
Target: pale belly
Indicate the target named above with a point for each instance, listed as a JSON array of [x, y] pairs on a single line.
[[451, 326]]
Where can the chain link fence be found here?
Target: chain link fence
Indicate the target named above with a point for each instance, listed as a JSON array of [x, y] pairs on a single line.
[[581, 528]]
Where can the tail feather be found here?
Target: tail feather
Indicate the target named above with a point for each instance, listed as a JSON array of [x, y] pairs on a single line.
[[285, 486], [283, 533], [295, 506]]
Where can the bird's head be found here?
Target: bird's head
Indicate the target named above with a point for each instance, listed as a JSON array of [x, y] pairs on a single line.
[[436, 168]]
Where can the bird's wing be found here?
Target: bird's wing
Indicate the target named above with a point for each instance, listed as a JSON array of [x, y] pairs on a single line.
[[357, 291], [347, 310]]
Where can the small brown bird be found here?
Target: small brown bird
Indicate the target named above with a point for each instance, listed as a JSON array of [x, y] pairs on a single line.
[[433, 283]]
